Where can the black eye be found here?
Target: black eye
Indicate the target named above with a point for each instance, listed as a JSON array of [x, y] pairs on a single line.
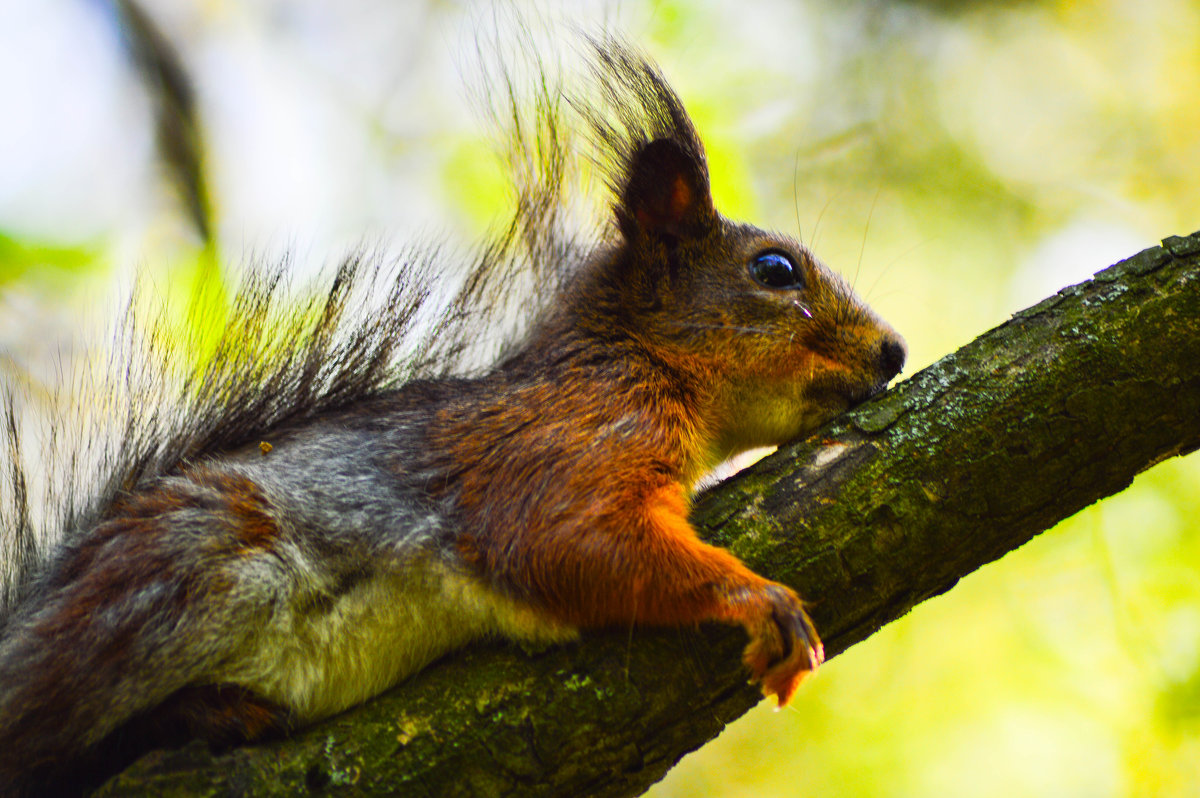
[[776, 270]]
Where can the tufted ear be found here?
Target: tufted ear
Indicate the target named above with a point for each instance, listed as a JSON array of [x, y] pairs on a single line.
[[666, 195]]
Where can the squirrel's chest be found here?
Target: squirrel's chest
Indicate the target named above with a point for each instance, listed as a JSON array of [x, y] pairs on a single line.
[[321, 660]]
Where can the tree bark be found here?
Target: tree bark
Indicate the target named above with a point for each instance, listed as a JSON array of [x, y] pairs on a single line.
[[889, 505]]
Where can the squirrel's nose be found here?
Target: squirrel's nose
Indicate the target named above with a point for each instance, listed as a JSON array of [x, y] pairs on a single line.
[[892, 353]]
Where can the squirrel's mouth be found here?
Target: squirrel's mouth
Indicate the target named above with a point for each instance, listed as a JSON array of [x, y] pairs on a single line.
[[857, 397], [846, 393]]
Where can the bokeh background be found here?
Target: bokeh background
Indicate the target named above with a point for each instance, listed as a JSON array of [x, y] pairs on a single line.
[[957, 160]]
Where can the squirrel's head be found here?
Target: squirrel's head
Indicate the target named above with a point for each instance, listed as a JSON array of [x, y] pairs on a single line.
[[775, 341], [779, 342]]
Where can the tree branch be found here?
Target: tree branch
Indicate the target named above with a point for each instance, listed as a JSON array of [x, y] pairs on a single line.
[[888, 506]]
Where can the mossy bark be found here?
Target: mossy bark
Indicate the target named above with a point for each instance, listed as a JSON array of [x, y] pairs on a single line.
[[888, 506]]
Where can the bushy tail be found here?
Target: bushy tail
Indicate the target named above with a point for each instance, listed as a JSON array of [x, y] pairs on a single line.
[[18, 539]]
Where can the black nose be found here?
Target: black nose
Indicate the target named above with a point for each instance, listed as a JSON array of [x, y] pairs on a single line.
[[891, 356]]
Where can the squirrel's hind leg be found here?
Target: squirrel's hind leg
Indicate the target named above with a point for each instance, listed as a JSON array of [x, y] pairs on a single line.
[[149, 602], [222, 714]]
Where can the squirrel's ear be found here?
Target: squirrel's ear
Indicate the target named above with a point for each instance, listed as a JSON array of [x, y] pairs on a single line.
[[667, 193]]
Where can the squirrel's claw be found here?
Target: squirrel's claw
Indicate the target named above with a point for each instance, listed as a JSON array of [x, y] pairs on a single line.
[[784, 647]]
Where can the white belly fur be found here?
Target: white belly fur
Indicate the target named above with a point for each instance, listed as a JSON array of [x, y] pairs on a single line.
[[382, 630]]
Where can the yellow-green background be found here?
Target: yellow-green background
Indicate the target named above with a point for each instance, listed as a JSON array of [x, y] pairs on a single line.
[[958, 161]]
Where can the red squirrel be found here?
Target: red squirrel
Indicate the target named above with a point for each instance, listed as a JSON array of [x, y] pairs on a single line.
[[322, 529]]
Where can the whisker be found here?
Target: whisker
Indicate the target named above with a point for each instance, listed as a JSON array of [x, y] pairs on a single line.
[[862, 248], [892, 263], [796, 197], [817, 227]]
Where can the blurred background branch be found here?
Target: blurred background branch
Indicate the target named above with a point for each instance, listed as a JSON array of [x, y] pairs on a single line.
[[176, 124]]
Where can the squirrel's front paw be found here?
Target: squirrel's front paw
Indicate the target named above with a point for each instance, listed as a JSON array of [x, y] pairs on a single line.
[[784, 647]]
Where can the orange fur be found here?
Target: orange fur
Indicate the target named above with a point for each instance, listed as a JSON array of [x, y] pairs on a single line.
[[606, 541]]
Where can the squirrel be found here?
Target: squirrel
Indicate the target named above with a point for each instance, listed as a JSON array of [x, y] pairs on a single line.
[[328, 528]]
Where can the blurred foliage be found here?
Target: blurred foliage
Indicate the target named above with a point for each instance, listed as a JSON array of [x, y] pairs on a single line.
[[22, 258], [193, 309], [957, 161]]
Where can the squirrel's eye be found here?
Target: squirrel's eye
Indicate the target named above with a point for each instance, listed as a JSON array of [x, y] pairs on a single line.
[[776, 270]]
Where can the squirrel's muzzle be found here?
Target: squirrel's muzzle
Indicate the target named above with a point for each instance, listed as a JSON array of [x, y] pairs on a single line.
[[891, 357]]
